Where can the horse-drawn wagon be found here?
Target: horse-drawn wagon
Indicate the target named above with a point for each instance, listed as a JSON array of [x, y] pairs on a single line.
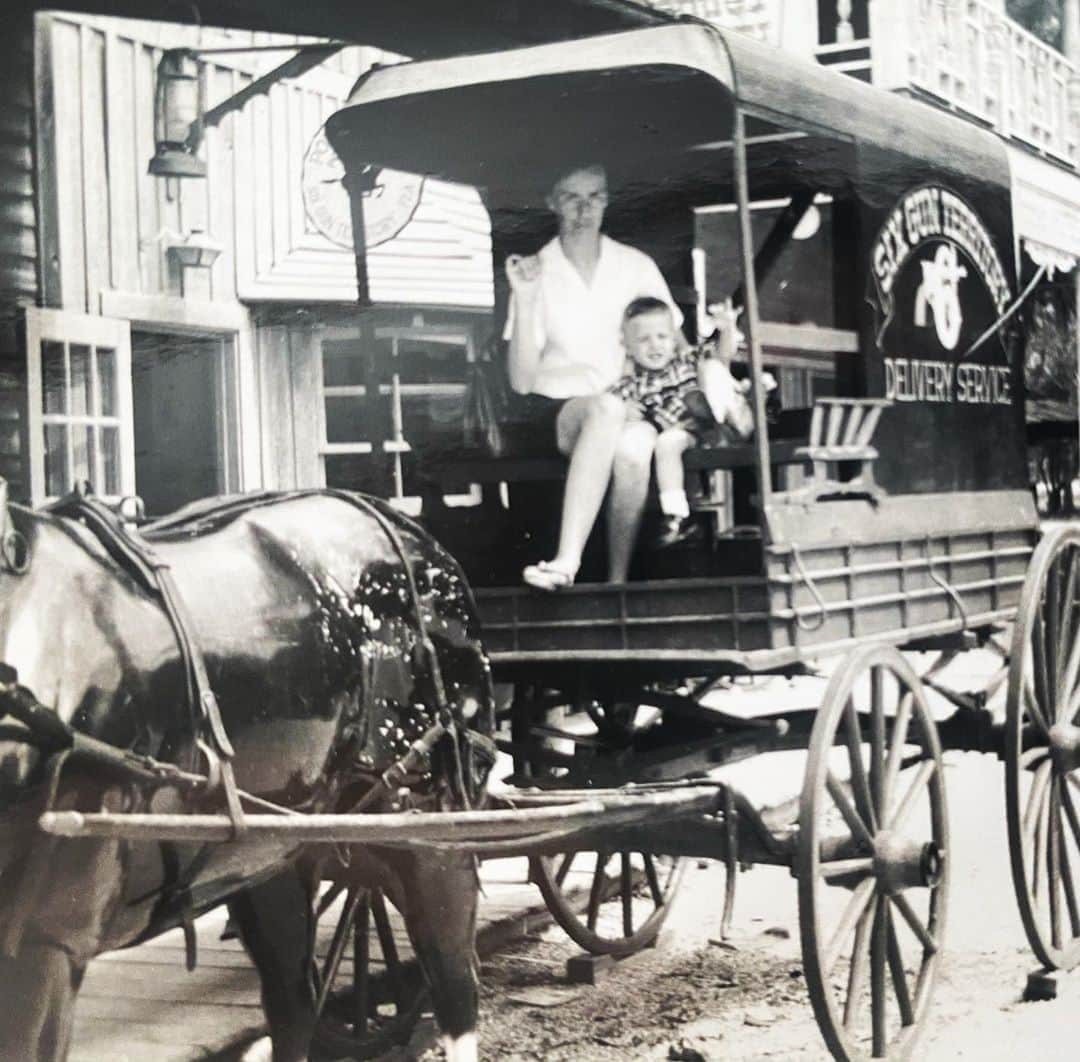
[[889, 514]]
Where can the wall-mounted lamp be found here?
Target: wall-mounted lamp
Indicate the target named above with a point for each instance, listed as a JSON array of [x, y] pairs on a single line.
[[178, 108], [196, 250], [180, 114]]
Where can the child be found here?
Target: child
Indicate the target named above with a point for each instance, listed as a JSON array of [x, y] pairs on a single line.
[[676, 391]]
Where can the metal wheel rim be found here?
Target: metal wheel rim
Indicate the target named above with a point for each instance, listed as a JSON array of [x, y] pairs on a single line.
[[872, 928], [1050, 807]]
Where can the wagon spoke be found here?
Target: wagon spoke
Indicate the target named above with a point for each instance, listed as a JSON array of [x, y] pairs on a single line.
[[859, 784], [1068, 599], [1066, 690], [860, 899], [898, 741], [1067, 641], [337, 946], [847, 810], [907, 802], [1032, 705], [1041, 825], [899, 977], [877, 740], [996, 681], [564, 867], [626, 886], [1035, 797], [326, 901], [877, 977], [846, 868], [596, 892], [922, 932], [1070, 809], [1066, 871], [1049, 620], [361, 965], [1053, 863], [1032, 759], [391, 959], [1039, 671], [654, 881], [857, 970]]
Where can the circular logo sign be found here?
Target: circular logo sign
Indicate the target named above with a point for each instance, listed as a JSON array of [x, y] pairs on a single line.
[[388, 207]]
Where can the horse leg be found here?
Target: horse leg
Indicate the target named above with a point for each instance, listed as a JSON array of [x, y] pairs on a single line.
[[37, 1000], [275, 922], [440, 896]]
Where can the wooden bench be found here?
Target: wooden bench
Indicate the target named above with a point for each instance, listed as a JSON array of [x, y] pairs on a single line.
[[841, 430]]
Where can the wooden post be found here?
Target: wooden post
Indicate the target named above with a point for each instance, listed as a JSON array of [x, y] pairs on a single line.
[[359, 185], [750, 320]]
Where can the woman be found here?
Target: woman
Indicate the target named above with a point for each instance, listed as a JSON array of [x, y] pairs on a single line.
[[564, 327]]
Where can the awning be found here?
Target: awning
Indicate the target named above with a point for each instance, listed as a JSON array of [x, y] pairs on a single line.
[[1046, 210], [669, 86]]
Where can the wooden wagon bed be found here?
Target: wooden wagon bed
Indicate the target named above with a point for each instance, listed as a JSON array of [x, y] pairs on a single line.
[[832, 574]]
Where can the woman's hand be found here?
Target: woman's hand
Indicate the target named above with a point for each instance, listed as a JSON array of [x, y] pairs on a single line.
[[523, 272]]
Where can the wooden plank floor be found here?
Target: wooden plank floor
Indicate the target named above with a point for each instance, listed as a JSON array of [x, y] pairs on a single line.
[[141, 1005]]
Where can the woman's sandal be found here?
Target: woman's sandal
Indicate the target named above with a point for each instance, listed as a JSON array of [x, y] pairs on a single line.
[[546, 576]]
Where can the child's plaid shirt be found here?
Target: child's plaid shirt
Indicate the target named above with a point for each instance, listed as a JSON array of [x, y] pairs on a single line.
[[661, 394]]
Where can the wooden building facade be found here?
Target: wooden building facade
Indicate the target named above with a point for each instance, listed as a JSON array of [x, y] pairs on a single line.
[[128, 368]]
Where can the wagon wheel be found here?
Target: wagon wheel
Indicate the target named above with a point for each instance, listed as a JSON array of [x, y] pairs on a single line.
[[629, 893], [871, 858], [1042, 751], [368, 999]]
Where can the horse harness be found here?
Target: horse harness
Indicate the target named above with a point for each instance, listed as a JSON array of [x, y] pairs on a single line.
[[133, 554]]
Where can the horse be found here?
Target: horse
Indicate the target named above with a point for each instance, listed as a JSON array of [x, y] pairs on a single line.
[[336, 638]]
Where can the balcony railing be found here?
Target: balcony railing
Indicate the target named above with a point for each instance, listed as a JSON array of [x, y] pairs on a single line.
[[967, 55], [962, 54]]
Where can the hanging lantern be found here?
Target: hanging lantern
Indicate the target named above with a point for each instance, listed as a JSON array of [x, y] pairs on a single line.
[[178, 107]]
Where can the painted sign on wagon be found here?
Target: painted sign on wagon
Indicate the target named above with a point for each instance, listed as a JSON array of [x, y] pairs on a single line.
[[941, 295]]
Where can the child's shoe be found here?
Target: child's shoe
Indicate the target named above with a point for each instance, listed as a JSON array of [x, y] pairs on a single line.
[[678, 531]]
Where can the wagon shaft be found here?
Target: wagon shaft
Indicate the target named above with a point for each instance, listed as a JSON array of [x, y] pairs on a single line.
[[402, 829]]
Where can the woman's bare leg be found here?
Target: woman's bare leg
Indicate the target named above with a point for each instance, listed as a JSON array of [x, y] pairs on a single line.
[[588, 431], [629, 489]]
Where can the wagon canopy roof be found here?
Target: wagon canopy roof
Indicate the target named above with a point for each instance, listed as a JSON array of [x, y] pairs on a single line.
[[495, 119]]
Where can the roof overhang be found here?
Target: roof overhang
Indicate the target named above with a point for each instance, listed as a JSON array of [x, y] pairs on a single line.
[[421, 28]]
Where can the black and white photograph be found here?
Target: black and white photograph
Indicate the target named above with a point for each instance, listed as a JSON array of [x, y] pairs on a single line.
[[539, 531]]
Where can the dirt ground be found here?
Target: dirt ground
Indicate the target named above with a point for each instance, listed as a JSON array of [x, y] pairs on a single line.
[[694, 998]]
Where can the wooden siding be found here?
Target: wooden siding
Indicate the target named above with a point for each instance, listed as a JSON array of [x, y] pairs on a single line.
[[110, 221], [18, 239]]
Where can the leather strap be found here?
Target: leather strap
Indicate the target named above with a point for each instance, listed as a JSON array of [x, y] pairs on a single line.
[[153, 574]]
